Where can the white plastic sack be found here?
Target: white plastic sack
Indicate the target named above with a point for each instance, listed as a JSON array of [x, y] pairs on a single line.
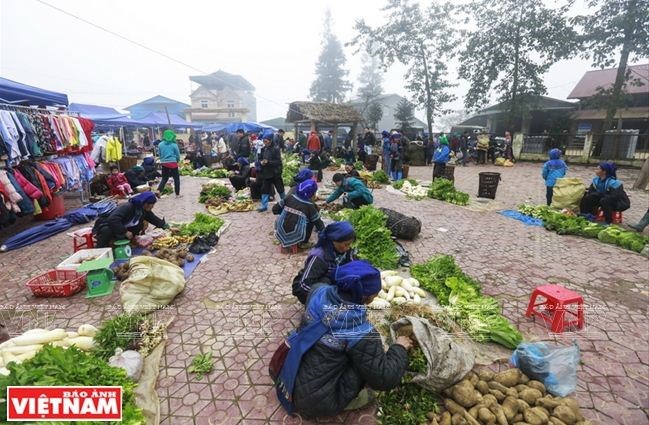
[[447, 361], [151, 284], [129, 360]]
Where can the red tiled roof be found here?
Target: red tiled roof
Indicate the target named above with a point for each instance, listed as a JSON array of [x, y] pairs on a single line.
[[587, 86]]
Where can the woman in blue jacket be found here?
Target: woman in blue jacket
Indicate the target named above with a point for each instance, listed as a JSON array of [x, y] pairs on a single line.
[[357, 193], [441, 156], [169, 158], [606, 192], [553, 169]]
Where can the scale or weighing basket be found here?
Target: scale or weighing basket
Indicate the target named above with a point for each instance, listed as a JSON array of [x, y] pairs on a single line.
[[100, 277], [122, 249]]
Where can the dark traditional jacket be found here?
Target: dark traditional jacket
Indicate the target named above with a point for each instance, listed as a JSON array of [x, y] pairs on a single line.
[[121, 219]]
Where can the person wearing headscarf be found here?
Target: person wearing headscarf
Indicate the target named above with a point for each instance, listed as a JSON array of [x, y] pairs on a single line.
[[356, 193], [386, 152], [127, 220], [605, 192], [553, 169], [342, 368], [396, 157], [240, 174], [303, 175], [332, 249], [169, 158], [150, 171], [297, 216], [136, 176], [441, 156]]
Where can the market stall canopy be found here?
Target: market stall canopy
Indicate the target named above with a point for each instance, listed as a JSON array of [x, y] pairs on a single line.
[[96, 113], [159, 119], [248, 127], [22, 94], [322, 112]]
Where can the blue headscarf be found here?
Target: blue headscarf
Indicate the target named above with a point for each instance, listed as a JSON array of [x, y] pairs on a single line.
[[268, 134], [395, 136], [302, 175], [243, 161], [307, 189], [555, 161], [143, 198], [149, 160], [357, 278], [339, 231], [609, 168], [385, 133]]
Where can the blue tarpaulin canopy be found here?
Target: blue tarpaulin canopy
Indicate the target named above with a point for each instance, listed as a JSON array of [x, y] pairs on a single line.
[[22, 94], [96, 113], [159, 119], [248, 127]]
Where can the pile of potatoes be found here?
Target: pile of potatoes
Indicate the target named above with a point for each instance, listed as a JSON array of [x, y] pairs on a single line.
[[505, 398], [175, 256]]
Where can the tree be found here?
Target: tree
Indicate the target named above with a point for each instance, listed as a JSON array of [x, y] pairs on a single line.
[[370, 80], [421, 40], [451, 119], [515, 44], [374, 114], [616, 26], [404, 115], [330, 84]]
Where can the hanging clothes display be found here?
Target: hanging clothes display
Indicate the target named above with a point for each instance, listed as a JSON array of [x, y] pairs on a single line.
[[113, 150]]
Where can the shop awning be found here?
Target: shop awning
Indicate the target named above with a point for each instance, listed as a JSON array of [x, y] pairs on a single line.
[[159, 119], [246, 126], [95, 112], [22, 94]]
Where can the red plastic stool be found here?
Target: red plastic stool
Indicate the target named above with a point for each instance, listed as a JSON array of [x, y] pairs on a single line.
[[293, 249], [555, 307], [617, 216], [82, 239]]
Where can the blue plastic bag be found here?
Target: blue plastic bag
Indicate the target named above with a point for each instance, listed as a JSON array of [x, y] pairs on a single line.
[[554, 365]]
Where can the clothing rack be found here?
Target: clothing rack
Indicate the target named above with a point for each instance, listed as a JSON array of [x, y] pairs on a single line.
[[13, 107]]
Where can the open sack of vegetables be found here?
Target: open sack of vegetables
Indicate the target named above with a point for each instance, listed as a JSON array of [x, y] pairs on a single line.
[[446, 361]]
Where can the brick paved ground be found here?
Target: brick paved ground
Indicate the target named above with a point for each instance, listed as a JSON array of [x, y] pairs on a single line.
[[238, 302]]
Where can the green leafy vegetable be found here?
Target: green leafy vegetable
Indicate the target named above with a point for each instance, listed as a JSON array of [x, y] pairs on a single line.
[[417, 362], [212, 173], [373, 239], [214, 190], [359, 165], [379, 176], [201, 365], [290, 167], [444, 190], [121, 331], [71, 366], [399, 183], [407, 404], [202, 225]]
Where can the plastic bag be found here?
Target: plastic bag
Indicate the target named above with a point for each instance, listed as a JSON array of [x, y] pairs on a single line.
[[130, 361], [151, 283], [554, 365], [567, 193], [447, 361]]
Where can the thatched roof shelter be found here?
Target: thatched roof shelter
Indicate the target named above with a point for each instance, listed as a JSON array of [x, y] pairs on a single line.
[[323, 112]]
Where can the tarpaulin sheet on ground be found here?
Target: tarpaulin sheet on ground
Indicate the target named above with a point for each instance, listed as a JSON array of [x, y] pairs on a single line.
[[525, 219], [188, 268]]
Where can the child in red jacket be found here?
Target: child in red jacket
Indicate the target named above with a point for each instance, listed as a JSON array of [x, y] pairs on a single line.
[[118, 183]]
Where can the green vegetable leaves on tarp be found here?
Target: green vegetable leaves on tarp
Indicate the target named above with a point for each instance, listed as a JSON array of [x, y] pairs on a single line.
[[203, 224], [444, 190], [379, 176], [478, 315], [373, 239], [71, 366], [213, 190], [212, 173]]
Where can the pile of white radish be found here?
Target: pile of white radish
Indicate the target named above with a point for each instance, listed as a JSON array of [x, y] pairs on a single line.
[[26, 346], [397, 290]]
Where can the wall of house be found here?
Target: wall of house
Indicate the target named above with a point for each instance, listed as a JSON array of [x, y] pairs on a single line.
[[216, 105]]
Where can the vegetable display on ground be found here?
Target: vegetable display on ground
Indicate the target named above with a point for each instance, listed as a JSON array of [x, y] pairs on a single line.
[[477, 314], [213, 191], [373, 240], [203, 224], [60, 366], [212, 173], [444, 190], [379, 176], [290, 167]]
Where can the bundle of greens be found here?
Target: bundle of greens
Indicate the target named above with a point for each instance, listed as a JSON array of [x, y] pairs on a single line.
[[373, 239], [617, 236], [359, 166], [407, 404], [212, 173], [71, 366], [203, 224], [167, 190], [291, 166], [477, 314], [444, 190], [535, 211], [121, 331], [399, 183], [214, 191], [379, 176]]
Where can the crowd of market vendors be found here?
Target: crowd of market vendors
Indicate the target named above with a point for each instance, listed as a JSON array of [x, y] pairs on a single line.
[[335, 367]]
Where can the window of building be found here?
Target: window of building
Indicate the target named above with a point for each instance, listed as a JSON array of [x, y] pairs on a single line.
[[230, 104], [230, 114], [204, 104]]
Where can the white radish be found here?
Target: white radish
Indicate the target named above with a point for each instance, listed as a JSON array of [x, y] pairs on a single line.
[[387, 273], [87, 330], [414, 282], [383, 284], [382, 294], [25, 356], [393, 280], [405, 285], [391, 293], [35, 331], [379, 304], [4, 371], [399, 300], [416, 299], [72, 334], [420, 292], [85, 343], [21, 349], [41, 338]]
